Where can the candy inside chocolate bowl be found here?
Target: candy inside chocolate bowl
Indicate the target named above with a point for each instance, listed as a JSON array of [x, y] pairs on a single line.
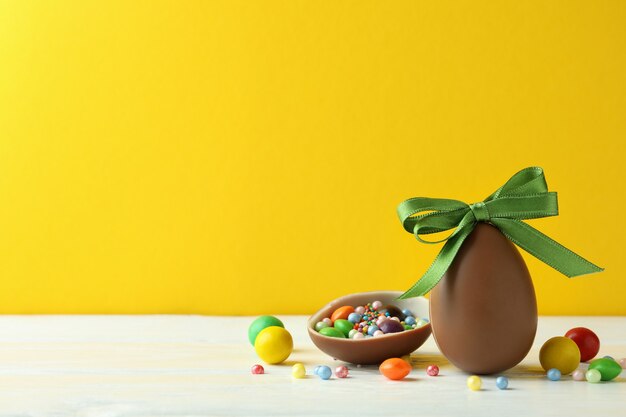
[[372, 350]]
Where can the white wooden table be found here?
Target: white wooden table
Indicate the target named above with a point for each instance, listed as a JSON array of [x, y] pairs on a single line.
[[105, 366]]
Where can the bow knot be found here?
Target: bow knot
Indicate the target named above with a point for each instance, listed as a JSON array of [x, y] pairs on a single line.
[[524, 196], [481, 214]]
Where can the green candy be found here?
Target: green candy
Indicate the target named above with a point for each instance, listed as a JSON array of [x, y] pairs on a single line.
[[344, 326], [332, 332], [407, 327], [261, 323], [608, 368]]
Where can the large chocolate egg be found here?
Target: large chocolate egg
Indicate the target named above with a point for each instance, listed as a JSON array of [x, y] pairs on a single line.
[[484, 311]]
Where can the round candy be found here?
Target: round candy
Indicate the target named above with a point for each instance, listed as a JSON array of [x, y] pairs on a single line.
[[359, 310], [298, 371], [587, 341], [432, 370], [578, 375], [327, 321], [341, 371], [273, 344], [352, 333], [391, 326], [344, 326], [324, 372], [320, 325], [502, 382], [410, 320], [261, 323], [622, 362], [358, 335], [407, 312], [395, 368], [376, 305], [474, 383], [378, 333], [257, 369], [392, 311], [316, 369], [371, 330], [608, 368], [341, 313], [560, 353], [554, 374], [332, 332], [354, 318], [593, 376], [421, 322]]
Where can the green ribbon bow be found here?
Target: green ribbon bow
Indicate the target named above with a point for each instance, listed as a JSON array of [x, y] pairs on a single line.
[[524, 196]]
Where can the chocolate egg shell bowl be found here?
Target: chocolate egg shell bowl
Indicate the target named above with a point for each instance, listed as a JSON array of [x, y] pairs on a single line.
[[373, 350]]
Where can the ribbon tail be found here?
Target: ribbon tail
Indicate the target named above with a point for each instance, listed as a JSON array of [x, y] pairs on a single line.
[[545, 249], [440, 265]]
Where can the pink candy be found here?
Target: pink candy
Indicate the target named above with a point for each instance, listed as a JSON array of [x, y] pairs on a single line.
[[578, 375], [432, 370], [341, 371], [622, 362], [257, 370]]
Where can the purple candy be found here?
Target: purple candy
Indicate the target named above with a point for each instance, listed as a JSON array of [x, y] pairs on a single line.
[[391, 326]]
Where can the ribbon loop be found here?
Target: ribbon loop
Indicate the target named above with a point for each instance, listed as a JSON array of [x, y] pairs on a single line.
[[524, 196]]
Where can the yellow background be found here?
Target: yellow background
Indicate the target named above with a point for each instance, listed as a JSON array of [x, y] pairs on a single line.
[[241, 157]]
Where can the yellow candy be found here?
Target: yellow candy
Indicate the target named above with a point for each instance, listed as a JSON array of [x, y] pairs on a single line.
[[298, 371], [561, 353], [273, 344], [474, 383]]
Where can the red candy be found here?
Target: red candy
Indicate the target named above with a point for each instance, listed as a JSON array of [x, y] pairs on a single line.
[[258, 370], [432, 370], [587, 341]]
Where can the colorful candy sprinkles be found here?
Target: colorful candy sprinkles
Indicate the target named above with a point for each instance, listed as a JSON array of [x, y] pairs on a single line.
[[370, 320]]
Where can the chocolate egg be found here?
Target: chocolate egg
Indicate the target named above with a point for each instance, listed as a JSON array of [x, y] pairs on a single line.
[[484, 311]]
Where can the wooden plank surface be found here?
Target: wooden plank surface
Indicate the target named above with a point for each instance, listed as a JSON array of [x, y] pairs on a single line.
[[103, 366]]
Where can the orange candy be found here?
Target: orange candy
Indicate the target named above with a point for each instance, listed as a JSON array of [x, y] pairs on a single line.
[[341, 313], [395, 368]]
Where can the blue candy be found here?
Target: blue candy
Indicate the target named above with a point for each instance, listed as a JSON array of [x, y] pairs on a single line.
[[354, 318], [502, 382], [407, 312], [316, 370], [554, 374], [324, 372], [372, 329], [410, 320]]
